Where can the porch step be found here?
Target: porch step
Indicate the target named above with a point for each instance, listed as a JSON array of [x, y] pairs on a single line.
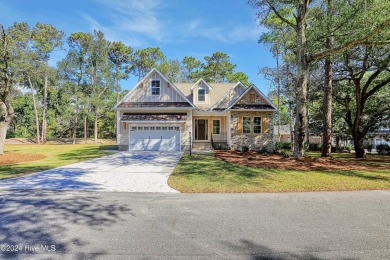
[[202, 146]]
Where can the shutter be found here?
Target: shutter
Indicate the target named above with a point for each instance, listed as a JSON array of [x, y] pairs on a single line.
[[264, 125], [239, 125]]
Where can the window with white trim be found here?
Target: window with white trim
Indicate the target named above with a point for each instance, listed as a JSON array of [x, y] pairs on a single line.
[[246, 125], [216, 127], [257, 125], [155, 87], [201, 95]]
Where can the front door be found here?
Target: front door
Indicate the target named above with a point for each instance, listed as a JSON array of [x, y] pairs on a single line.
[[201, 129]]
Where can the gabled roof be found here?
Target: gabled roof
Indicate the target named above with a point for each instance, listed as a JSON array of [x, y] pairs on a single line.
[[199, 81], [146, 76], [218, 91], [258, 92], [214, 107]]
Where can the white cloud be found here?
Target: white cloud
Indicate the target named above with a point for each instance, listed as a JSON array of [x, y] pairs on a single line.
[[236, 33], [136, 16], [145, 19], [244, 33], [113, 34]]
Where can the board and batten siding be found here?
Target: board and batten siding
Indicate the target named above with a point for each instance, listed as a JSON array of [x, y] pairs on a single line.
[[201, 85], [143, 92]]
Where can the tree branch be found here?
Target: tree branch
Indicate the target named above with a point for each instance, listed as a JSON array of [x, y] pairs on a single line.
[[363, 41], [377, 87], [280, 16]]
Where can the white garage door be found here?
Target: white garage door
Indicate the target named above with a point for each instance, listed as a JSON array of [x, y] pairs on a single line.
[[154, 138]]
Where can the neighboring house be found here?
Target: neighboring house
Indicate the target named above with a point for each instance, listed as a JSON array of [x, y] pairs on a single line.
[[381, 136], [160, 115], [285, 135]]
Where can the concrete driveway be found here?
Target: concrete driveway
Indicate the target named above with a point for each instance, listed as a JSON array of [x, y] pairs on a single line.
[[120, 172]]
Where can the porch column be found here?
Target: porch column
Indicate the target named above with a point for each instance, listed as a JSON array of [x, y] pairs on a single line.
[[190, 127], [228, 124]]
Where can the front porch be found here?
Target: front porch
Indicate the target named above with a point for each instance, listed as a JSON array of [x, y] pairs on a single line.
[[210, 131]]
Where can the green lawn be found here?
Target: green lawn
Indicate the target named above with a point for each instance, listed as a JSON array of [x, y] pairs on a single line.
[[205, 173], [56, 156]]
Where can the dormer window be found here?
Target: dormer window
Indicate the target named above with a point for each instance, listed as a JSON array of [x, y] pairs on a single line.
[[201, 95], [155, 88]]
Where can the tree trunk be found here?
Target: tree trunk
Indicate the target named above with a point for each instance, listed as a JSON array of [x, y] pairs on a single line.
[[7, 113], [74, 131], [301, 88], [327, 115], [278, 91], [96, 129], [35, 111], [291, 126], [44, 117], [85, 130], [358, 143]]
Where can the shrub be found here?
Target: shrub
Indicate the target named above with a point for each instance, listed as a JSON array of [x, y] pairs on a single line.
[[314, 147], [286, 154], [282, 145], [368, 146], [263, 151], [383, 148], [223, 147], [349, 147], [244, 149]]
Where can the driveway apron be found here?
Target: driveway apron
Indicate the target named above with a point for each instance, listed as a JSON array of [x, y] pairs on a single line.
[[120, 172]]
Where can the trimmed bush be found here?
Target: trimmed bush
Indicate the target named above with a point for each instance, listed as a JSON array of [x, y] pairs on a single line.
[[383, 148]]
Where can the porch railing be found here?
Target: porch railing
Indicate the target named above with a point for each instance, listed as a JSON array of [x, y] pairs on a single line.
[[222, 137]]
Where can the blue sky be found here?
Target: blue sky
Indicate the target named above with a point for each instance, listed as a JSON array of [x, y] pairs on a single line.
[[179, 27]]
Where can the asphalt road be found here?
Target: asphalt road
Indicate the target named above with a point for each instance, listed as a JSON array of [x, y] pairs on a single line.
[[93, 225]]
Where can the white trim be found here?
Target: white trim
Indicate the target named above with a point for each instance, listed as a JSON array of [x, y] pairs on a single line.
[[208, 130], [229, 137], [152, 122], [179, 139], [196, 83], [145, 77], [129, 137], [253, 110], [154, 108], [220, 126], [197, 95], [258, 92], [207, 113], [151, 94]]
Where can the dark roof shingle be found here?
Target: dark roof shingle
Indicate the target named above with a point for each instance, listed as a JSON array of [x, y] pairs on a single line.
[[252, 106]]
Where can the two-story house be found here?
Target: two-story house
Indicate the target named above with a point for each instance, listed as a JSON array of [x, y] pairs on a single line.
[[158, 115]]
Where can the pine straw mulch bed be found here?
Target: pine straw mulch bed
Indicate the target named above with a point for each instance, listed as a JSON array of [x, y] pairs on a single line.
[[14, 158], [277, 161]]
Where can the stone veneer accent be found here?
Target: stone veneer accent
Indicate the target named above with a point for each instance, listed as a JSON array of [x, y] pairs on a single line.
[[255, 142]]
